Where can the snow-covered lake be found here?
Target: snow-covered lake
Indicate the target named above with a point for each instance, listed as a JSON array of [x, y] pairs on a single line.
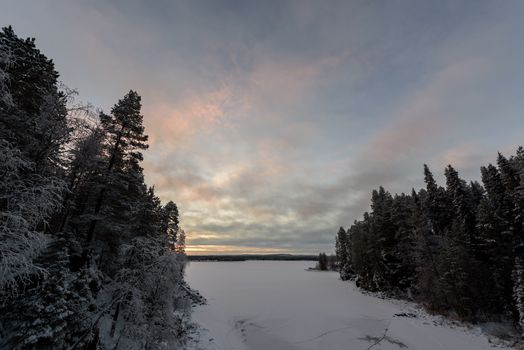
[[278, 305]]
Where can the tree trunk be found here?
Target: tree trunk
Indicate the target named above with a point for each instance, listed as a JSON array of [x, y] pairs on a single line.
[[100, 199], [115, 318]]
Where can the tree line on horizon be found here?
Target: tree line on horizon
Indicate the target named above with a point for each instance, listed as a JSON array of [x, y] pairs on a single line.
[[457, 249], [89, 256]]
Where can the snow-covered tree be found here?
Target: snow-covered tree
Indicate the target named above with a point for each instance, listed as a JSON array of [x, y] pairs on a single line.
[[34, 121], [26, 202], [457, 249], [518, 290], [59, 309], [125, 139], [147, 313], [69, 187], [343, 254]]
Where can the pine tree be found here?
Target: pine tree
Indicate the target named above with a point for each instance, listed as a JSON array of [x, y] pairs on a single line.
[[145, 296], [33, 128], [84, 169], [363, 254], [518, 290], [458, 257], [459, 249], [343, 254], [460, 197], [436, 204], [170, 223], [402, 264], [322, 262], [34, 121], [27, 201], [496, 240], [180, 248], [383, 236], [58, 199], [57, 310], [125, 139], [427, 246]]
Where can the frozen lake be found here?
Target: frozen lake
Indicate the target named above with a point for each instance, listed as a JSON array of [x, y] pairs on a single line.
[[278, 305]]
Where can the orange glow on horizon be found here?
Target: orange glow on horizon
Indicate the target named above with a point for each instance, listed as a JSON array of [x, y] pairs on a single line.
[[228, 249]]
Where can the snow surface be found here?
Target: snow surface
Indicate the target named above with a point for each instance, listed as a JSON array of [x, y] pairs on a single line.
[[278, 305]]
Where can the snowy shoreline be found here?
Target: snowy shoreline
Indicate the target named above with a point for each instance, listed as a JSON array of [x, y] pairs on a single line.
[[277, 305]]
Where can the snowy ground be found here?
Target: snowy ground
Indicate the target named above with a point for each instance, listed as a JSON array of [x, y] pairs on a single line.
[[277, 305]]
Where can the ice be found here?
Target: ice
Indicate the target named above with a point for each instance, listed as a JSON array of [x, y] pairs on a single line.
[[279, 305]]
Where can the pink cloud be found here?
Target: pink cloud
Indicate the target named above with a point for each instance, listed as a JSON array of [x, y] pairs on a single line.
[[426, 117], [177, 124], [283, 81]]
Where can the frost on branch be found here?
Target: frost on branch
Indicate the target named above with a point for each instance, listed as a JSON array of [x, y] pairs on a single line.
[[5, 96], [149, 300], [26, 202], [88, 254]]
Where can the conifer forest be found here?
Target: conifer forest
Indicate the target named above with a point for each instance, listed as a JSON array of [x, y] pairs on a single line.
[[90, 257], [456, 249], [173, 175]]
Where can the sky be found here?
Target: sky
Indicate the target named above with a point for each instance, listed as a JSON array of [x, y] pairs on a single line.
[[270, 122]]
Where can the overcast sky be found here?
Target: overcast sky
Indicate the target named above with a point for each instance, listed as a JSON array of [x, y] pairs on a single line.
[[271, 121]]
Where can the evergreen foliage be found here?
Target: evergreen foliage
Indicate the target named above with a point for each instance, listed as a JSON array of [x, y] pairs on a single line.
[[89, 256], [457, 249], [343, 254], [322, 262]]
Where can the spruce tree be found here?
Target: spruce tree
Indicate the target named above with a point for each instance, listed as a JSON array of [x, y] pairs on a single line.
[[457, 249], [496, 240], [343, 254], [322, 262], [383, 236], [34, 118], [436, 204], [518, 290], [33, 128], [56, 195], [402, 264], [170, 223]]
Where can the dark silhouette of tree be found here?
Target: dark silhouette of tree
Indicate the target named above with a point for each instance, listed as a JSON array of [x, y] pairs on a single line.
[[458, 249], [89, 256], [322, 262]]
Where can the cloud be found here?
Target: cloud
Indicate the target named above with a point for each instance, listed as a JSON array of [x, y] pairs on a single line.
[[271, 122], [429, 114], [177, 125]]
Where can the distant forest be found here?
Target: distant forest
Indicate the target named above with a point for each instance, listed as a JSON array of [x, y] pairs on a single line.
[[457, 249], [89, 256], [245, 257]]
